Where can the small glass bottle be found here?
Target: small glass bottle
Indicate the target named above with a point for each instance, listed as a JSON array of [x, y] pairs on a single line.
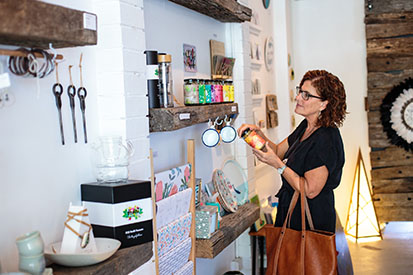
[[208, 94], [231, 91], [226, 91], [201, 91], [253, 139], [191, 92]]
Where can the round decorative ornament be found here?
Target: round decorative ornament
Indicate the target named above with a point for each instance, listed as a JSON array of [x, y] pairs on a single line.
[[266, 3], [225, 191], [269, 53], [396, 114]]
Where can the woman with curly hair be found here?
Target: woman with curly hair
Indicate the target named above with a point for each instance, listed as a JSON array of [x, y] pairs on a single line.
[[313, 151]]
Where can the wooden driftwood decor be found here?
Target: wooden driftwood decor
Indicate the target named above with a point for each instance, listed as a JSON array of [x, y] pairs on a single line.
[[222, 10], [389, 34], [36, 24]]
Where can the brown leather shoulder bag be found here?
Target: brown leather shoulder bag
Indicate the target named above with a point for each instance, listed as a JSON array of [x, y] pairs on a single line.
[[302, 252]]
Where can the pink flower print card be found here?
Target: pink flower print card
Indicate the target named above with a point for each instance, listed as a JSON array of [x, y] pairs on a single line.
[[170, 182]]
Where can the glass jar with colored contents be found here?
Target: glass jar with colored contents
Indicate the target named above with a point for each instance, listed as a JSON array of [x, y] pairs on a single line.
[[211, 82], [226, 91], [231, 91], [201, 91], [191, 92], [253, 139], [218, 91], [208, 92]]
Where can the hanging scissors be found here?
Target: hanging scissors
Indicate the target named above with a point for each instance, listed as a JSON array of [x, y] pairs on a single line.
[[82, 93], [57, 92]]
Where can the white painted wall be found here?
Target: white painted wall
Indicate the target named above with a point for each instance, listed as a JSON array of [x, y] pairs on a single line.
[[39, 176], [331, 35]]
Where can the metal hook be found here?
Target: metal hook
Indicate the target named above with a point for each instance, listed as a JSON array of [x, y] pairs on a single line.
[[53, 51], [216, 121]]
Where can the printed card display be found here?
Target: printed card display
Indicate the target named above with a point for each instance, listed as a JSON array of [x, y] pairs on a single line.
[[170, 182]]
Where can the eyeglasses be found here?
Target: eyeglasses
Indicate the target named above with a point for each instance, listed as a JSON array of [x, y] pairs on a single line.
[[305, 95]]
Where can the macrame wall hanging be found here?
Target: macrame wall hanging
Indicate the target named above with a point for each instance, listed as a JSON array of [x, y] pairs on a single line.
[[396, 114]]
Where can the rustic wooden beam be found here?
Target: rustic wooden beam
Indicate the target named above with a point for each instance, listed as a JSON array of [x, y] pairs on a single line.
[[123, 261], [222, 10], [170, 119], [391, 200], [375, 97], [388, 30], [392, 172], [391, 156], [387, 48], [387, 80], [377, 137], [403, 185], [383, 47], [397, 213], [36, 24], [231, 226], [387, 18], [387, 64], [384, 6]]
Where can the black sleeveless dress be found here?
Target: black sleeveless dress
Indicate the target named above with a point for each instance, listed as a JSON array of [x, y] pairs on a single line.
[[323, 147]]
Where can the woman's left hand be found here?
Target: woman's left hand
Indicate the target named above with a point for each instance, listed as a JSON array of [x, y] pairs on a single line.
[[269, 157]]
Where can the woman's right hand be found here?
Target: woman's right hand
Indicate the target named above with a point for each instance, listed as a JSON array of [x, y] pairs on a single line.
[[243, 127]]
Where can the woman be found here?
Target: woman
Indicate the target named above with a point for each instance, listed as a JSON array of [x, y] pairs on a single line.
[[314, 150]]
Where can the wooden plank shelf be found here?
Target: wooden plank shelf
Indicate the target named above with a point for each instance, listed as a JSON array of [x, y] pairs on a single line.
[[123, 261], [31, 23], [221, 10], [170, 119], [231, 226]]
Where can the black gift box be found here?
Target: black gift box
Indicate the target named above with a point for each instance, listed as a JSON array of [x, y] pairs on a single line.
[[122, 211]]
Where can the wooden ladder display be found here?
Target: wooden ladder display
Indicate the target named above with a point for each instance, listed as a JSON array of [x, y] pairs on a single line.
[[191, 161]]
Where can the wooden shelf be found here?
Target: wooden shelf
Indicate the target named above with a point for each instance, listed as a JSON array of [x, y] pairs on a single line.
[[123, 261], [31, 23], [231, 226], [221, 10], [170, 119]]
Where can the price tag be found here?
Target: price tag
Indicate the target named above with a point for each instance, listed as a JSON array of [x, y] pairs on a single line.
[[4, 80], [184, 116], [233, 108], [89, 21]]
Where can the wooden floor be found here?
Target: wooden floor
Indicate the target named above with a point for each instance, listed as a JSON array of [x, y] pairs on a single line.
[[393, 255]]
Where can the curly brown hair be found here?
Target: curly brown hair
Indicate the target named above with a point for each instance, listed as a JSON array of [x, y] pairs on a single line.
[[330, 88]]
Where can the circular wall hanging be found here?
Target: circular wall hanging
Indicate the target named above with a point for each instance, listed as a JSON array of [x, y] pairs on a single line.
[[396, 114], [266, 3], [269, 53]]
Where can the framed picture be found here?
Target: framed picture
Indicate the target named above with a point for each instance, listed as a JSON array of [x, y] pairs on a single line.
[[190, 58]]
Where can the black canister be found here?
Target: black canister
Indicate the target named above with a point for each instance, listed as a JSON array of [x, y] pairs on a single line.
[[152, 78]]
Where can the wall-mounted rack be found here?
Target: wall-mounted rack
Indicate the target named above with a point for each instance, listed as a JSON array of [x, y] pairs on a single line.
[[22, 54]]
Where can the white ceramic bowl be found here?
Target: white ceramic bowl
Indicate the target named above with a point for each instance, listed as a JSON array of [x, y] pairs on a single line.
[[106, 247]]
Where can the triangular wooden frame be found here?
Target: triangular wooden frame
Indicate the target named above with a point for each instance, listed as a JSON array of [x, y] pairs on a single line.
[[356, 180]]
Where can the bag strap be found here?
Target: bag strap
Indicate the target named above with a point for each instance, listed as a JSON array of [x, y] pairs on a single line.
[[283, 229], [305, 212], [303, 232]]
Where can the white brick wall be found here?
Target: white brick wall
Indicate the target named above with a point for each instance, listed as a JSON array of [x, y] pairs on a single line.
[[121, 77], [122, 100]]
